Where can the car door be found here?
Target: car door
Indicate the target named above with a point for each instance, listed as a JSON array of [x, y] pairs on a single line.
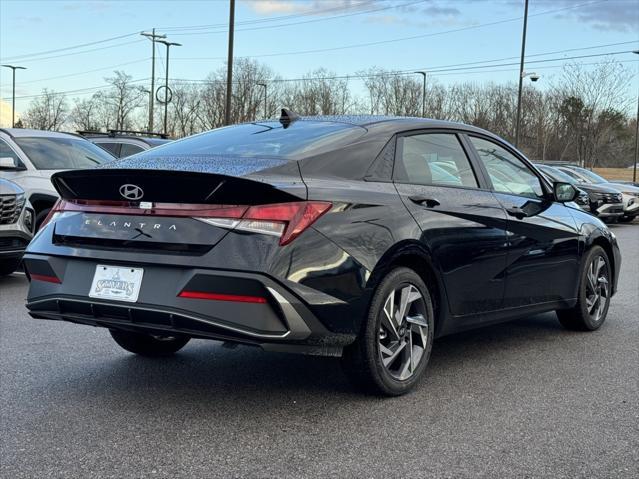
[[462, 223], [543, 241]]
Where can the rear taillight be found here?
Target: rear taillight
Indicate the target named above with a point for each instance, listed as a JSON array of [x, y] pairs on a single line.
[[284, 220]]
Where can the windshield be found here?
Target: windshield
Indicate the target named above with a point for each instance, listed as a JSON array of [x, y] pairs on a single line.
[[62, 153], [556, 175], [590, 176], [266, 139], [573, 174]]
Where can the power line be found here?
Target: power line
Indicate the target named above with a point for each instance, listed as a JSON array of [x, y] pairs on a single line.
[[272, 19], [73, 47], [79, 90], [430, 70], [79, 53], [435, 73], [401, 39], [83, 73], [315, 20]]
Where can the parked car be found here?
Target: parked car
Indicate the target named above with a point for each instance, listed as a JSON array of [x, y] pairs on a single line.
[[123, 143], [30, 157], [630, 193], [602, 201], [320, 235], [16, 225]]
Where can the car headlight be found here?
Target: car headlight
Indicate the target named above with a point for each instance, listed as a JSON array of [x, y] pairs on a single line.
[[28, 219]]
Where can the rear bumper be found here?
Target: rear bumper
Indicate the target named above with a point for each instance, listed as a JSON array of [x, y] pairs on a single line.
[[283, 322]]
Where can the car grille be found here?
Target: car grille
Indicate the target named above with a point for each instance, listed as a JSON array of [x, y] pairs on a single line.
[[10, 208], [610, 197]]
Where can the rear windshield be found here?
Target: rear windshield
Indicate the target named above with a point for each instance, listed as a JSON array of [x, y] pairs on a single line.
[[62, 153], [266, 139]]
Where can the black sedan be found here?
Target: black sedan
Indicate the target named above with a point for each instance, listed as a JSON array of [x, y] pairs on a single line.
[[359, 237]]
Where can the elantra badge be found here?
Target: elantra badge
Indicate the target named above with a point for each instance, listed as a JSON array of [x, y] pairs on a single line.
[[131, 192]]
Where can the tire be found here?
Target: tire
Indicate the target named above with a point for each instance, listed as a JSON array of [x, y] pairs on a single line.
[[147, 344], [376, 361], [40, 217], [593, 298], [626, 219], [8, 266]]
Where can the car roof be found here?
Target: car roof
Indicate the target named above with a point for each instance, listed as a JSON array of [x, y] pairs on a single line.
[[28, 132]]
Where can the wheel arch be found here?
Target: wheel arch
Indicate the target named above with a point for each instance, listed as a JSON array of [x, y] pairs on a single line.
[[415, 256], [40, 201]]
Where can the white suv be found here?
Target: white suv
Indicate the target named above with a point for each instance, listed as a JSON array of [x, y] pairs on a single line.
[[30, 157]]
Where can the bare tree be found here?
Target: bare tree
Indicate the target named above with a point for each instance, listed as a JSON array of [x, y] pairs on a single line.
[[85, 113], [122, 99], [47, 112]]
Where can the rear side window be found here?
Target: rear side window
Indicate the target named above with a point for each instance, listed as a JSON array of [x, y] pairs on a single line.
[[113, 148], [433, 159], [128, 150]]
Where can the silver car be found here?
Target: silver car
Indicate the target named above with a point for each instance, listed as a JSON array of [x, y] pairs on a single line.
[[17, 222]]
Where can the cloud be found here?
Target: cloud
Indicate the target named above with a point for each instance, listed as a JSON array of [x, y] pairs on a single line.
[[611, 15], [436, 11], [270, 7], [97, 6]]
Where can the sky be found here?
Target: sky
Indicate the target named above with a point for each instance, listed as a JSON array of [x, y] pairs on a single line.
[[72, 45]]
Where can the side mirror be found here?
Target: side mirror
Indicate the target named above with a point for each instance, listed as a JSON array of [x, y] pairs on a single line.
[[564, 192], [6, 162]]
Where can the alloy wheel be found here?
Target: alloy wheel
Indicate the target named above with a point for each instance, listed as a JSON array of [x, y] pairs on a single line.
[[597, 288], [403, 332]]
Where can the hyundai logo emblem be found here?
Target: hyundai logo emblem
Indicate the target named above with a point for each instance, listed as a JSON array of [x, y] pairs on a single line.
[[131, 192]]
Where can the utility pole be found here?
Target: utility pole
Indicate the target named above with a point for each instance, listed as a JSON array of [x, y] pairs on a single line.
[[13, 95], [166, 82], [265, 107], [423, 94], [521, 74], [152, 36], [229, 65]]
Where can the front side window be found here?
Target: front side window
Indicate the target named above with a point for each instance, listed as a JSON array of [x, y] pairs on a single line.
[[7, 152], [62, 153], [434, 159], [507, 172]]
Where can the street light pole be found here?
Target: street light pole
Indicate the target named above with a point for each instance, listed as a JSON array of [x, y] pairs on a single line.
[[152, 36], [13, 95], [634, 165], [423, 94], [166, 81], [265, 107], [521, 74], [229, 65]]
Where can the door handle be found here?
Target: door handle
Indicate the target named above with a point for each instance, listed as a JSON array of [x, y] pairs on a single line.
[[424, 201], [517, 212]]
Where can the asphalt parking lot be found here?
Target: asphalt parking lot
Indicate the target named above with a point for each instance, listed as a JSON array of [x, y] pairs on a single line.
[[524, 399]]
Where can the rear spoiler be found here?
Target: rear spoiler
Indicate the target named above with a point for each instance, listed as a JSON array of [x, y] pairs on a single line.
[[165, 186]]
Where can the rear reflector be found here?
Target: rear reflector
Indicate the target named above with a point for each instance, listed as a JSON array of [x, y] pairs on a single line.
[[285, 220], [222, 297], [45, 278]]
